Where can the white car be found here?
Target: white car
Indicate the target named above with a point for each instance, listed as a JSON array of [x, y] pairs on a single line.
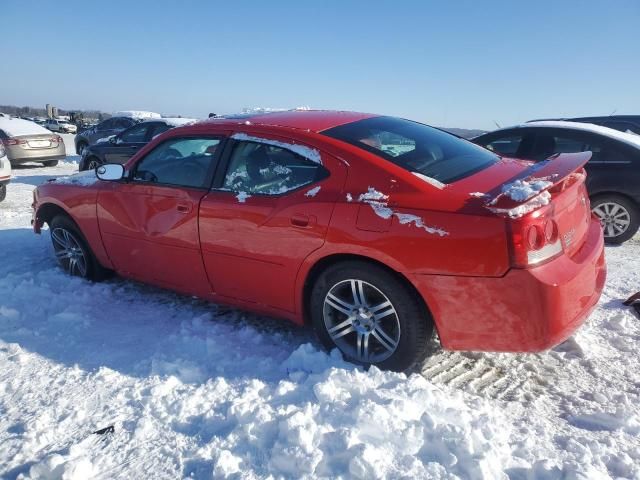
[[5, 172], [60, 126]]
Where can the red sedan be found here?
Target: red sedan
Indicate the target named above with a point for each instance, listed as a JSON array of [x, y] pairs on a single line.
[[372, 229]]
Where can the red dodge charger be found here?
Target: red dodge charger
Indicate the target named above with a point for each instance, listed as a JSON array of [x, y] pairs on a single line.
[[374, 230]]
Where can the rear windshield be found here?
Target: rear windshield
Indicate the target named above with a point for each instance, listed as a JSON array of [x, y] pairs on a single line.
[[416, 147]]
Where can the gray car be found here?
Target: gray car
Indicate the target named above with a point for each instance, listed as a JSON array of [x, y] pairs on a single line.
[[26, 141]]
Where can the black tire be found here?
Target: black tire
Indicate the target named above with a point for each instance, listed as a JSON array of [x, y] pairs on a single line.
[[410, 325], [66, 236], [3, 192], [80, 147], [50, 163], [91, 163], [615, 212]]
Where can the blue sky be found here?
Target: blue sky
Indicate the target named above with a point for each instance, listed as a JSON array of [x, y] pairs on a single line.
[[456, 63]]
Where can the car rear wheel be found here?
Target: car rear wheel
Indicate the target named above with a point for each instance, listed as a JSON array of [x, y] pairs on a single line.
[[370, 316], [618, 216], [93, 163], [3, 192], [72, 251], [50, 163]]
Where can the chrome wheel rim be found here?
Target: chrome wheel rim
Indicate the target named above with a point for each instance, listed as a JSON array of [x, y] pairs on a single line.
[[69, 252], [614, 218], [93, 165], [361, 321]]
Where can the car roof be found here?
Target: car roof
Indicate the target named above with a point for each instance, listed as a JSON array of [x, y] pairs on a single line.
[[15, 127], [628, 138], [312, 120]]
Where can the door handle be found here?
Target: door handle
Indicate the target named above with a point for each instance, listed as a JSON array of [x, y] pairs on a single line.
[[301, 220], [183, 208]]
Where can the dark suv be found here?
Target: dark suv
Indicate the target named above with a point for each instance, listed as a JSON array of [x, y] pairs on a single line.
[[121, 147], [106, 128], [613, 173]]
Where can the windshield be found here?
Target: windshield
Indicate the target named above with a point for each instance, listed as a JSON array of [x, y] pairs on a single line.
[[416, 147]]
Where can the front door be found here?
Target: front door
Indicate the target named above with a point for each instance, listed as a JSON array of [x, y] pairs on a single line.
[[270, 210], [149, 223]]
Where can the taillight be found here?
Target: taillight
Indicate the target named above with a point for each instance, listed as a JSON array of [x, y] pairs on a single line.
[[534, 238], [56, 139], [13, 141]]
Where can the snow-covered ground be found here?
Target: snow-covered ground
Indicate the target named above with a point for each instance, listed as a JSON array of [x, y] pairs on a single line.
[[196, 390]]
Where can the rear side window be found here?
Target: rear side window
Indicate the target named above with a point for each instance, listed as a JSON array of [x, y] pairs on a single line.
[[506, 145], [259, 168], [416, 147]]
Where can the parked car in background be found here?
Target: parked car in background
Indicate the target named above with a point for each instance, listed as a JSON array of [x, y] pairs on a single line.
[[26, 141], [121, 147], [374, 230], [622, 123], [104, 129], [5, 172], [613, 173], [60, 126]]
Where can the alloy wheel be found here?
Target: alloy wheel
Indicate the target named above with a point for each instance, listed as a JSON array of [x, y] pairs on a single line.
[[361, 321], [614, 218], [69, 252]]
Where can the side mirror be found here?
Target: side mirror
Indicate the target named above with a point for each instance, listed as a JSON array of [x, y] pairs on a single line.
[[110, 171], [113, 139]]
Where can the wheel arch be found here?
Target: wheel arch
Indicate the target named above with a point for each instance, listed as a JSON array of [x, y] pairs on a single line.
[[47, 211], [328, 261]]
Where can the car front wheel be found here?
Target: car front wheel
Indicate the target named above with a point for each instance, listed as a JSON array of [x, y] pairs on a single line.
[[370, 316], [618, 216], [72, 251]]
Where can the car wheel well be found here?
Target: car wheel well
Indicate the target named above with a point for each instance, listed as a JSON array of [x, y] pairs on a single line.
[[48, 211], [604, 193], [332, 260]]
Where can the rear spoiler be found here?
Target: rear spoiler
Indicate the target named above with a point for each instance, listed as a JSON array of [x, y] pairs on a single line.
[[542, 176]]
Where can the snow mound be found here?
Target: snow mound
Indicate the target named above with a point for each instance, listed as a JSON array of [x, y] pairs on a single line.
[[137, 114]]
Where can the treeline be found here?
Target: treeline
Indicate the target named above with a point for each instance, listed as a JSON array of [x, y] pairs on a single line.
[[42, 112]]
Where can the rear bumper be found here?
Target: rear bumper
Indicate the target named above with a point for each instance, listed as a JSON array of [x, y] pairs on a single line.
[[525, 310], [36, 157]]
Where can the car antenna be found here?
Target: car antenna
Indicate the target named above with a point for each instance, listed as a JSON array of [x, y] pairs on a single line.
[[497, 124], [614, 111]]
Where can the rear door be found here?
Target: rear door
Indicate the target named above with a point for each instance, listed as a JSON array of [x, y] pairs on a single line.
[[269, 210], [127, 143], [149, 223]]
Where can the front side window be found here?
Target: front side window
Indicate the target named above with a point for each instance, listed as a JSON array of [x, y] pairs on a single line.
[[134, 134], [259, 168], [416, 147], [186, 162]]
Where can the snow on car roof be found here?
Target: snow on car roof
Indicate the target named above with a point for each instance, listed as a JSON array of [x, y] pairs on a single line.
[[15, 127], [136, 114], [174, 122], [628, 138]]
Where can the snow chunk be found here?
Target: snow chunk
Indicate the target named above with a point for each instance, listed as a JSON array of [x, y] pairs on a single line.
[[522, 190], [378, 202], [407, 218], [349, 197], [84, 179], [516, 212], [242, 197], [478, 194], [430, 180], [105, 139], [307, 152], [15, 127], [313, 192]]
